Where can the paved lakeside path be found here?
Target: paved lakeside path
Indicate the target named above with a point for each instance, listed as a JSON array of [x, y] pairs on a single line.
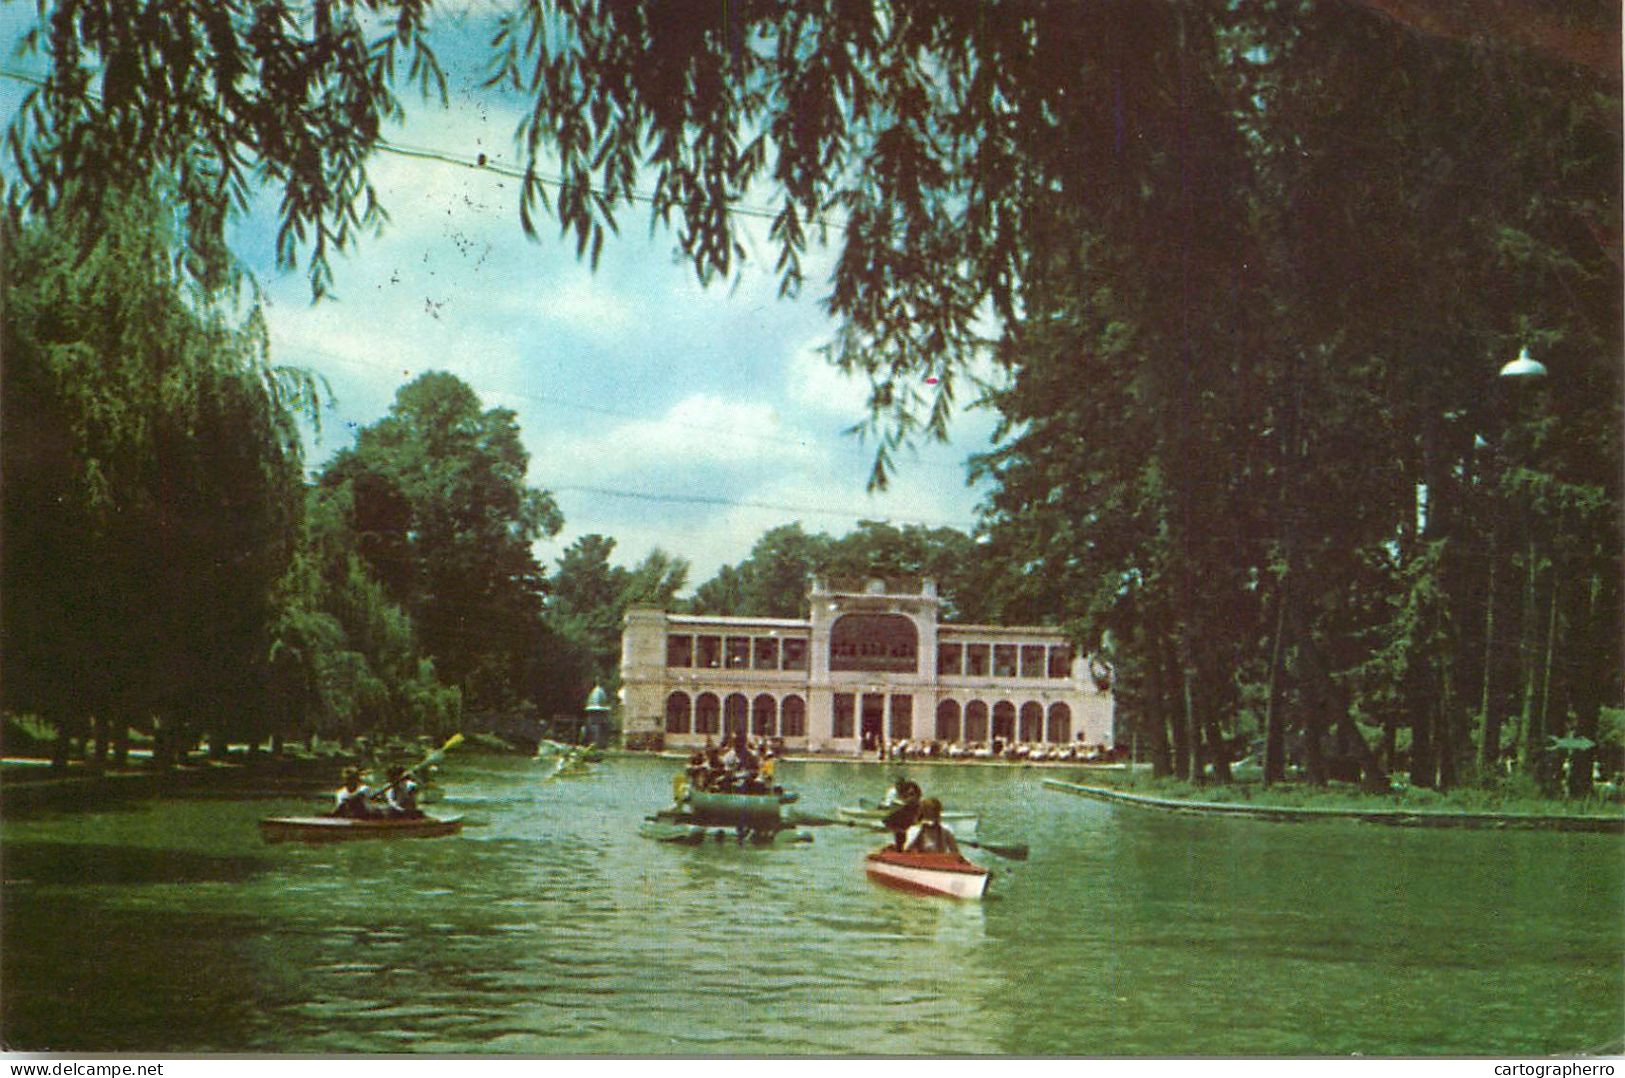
[[1393, 817]]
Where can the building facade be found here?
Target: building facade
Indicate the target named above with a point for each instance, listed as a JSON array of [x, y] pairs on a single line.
[[872, 663]]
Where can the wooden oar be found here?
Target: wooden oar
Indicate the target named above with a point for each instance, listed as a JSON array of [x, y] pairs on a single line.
[[1015, 851], [433, 758]]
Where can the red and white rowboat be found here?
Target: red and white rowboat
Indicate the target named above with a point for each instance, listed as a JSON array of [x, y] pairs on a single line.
[[928, 873]]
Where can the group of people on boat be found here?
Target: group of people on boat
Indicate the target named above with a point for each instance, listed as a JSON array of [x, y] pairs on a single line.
[[733, 768], [915, 821], [398, 796]]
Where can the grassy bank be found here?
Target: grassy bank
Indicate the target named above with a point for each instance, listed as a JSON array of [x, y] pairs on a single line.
[[1507, 804]]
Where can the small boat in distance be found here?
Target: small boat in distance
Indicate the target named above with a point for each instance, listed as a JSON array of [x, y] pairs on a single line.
[[946, 874], [346, 828]]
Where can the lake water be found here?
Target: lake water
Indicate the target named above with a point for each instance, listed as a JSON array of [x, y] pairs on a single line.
[[550, 928]]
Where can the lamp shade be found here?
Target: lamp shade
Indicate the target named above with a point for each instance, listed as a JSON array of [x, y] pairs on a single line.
[[1524, 367]]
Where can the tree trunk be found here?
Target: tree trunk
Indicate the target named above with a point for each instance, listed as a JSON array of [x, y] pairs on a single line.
[[1534, 739], [1207, 712], [1173, 707], [61, 747], [1589, 645], [1274, 718], [121, 743], [1153, 716], [100, 726], [1489, 747], [1424, 763]]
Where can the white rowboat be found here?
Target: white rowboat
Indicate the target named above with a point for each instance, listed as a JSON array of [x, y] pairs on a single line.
[[947, 874]]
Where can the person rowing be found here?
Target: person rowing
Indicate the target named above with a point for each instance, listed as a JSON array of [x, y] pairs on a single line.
[[904, 800], [928, 835], [401, 795]]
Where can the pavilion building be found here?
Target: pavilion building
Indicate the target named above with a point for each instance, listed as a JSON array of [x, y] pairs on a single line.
[[872, 663]]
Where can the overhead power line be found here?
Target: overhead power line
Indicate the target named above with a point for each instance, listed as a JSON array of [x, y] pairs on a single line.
[[559, 402], [735, 503]]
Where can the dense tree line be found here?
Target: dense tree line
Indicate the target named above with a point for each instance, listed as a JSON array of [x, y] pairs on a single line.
[[152, 495], [773, 581], [1253, 265], [168, 569]]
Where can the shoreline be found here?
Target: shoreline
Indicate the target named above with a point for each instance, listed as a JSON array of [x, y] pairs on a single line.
[[1530, 821], [816, 758], [82, 787]]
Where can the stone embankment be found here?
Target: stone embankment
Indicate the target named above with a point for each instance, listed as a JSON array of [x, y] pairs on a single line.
[[1397, 817]]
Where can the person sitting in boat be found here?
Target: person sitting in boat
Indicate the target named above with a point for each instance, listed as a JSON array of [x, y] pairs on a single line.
[[928, 835], [904, 800], [902, 790], [350, 800], [401, 795], [714, 769], [746, 768], [694, 776]]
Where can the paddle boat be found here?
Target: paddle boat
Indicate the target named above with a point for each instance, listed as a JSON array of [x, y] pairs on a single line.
[[756, 814], [947, 874], [962, 824], [729, 808], [669, 826], [346, 828]]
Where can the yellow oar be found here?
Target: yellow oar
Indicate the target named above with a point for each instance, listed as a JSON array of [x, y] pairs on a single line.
[[434, 757], [440, 754]]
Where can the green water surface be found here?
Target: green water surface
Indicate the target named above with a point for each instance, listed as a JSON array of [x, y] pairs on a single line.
[[549, 928]]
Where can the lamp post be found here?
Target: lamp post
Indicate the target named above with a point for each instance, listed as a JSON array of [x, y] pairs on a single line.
[[1522, 371]]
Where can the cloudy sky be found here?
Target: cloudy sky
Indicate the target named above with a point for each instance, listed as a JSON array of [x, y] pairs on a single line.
[[659, 412]]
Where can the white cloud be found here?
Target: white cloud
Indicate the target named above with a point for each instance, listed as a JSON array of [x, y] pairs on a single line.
[[812, 382], [701, 431]]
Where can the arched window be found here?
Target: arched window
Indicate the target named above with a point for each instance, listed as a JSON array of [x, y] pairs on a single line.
[[677, 713], [763, 713], [1060, 723], [1032, 721], [887, 642], [794, 721], [733, 714], [1004, 720], [706, 711], [948, 720], [976, 721]]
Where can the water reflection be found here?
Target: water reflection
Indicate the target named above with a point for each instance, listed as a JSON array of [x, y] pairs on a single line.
[[548, 927]]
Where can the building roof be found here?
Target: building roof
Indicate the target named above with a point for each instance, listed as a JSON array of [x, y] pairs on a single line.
[[726, 620]]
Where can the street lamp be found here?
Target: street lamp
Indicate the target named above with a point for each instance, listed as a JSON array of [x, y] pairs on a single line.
[[1523, 370], [1524, 367]]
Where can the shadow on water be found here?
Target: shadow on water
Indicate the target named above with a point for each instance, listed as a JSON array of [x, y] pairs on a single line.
[[79, 864], [188, 975], [556, 929]]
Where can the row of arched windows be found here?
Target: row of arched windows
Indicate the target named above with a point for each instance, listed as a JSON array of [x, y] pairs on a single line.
[[976, 722], [766, 716]]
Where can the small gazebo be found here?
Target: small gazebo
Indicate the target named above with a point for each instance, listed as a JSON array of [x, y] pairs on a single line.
[[597, 725]]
